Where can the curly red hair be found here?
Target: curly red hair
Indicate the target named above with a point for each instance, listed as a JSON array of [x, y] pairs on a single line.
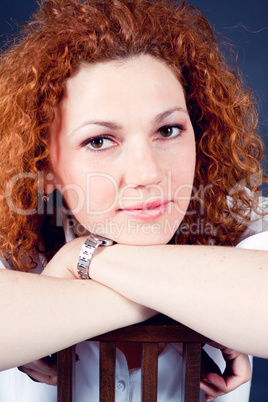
[[65, 33]]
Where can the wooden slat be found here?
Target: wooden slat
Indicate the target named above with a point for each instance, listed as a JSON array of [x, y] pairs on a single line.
[[149, 371], [107, 371], [191, 381], [66, 367]]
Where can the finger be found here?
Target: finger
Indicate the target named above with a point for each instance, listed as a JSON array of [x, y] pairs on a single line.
[[38, 377], [46, 366], [209, 389], [47, 371], [229, 354], [213, 383]]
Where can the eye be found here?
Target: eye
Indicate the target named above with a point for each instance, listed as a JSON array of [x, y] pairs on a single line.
[[100, 143], [170, 131]]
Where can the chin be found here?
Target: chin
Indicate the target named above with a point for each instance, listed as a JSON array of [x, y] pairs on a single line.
[[143, 240]]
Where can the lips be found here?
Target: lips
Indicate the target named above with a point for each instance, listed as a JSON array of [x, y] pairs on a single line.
[[147, 211]]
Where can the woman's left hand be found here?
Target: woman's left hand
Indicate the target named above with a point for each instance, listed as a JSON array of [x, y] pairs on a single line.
[[237, 372]]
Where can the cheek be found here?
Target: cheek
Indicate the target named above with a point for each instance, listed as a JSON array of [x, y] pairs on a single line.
[[182, 197], [182, 182], [101, 193]]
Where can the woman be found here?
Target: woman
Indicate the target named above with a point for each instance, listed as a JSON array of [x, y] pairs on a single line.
[[128, 110]]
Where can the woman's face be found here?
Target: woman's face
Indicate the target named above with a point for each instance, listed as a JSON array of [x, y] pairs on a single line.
[[123, 150]]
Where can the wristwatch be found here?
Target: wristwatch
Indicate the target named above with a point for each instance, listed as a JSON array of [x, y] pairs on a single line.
[[87, 251]]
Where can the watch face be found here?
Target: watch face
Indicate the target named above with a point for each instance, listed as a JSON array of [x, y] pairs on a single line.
[[103, 241], [87, 251]]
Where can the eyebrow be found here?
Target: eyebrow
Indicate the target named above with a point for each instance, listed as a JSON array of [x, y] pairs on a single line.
[[115, 126], [107, 124], [161, 116]]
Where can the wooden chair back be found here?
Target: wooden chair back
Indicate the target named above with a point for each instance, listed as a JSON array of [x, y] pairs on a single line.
[[150, 333]]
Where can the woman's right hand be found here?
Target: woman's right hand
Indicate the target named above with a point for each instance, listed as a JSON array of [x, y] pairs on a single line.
[[64, 262]]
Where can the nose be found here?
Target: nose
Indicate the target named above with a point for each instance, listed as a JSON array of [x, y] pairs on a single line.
[[143, 167]]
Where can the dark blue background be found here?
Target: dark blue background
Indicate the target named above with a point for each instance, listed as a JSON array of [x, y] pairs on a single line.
[[244, 23]]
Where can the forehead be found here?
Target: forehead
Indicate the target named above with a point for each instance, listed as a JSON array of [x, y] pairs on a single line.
[[130, 74]]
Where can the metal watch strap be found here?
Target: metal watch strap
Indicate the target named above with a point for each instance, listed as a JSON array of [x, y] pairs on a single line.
[[87, 251]]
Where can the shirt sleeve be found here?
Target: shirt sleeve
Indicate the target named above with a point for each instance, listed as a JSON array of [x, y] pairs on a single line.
[[4, 264], [258, 241]]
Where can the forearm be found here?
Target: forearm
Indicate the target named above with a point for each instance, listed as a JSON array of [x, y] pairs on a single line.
[[40, 315], [218, 291]]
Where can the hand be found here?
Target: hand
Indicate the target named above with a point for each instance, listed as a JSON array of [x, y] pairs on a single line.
[[43, 370], [237, 372], [64, 262]]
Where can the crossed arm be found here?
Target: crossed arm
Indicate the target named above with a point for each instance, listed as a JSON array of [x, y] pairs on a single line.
[[196, 285], [220, 292]]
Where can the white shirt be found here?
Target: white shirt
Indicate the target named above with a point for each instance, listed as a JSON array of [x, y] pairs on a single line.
[[18, 387]]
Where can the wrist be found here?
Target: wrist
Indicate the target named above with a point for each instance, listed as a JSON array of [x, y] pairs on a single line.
[[87, 252], [107, 264]]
